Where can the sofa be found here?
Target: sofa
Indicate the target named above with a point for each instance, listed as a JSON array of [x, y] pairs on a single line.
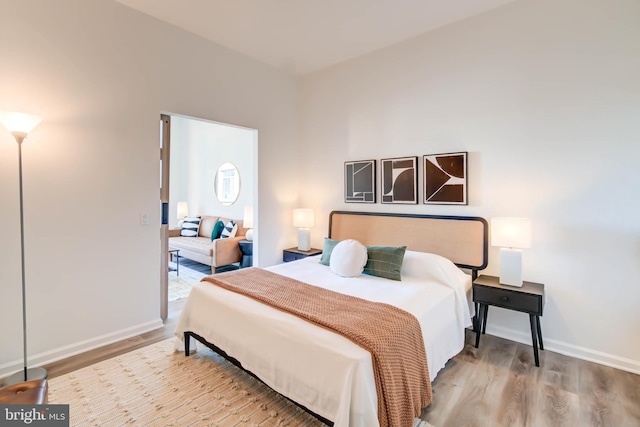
[[218, 253]]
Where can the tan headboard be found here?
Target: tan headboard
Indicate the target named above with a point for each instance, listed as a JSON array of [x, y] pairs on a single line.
[[462, 239]]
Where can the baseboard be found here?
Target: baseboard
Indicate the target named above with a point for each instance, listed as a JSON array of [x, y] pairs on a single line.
[[80, 347], [578, 352]]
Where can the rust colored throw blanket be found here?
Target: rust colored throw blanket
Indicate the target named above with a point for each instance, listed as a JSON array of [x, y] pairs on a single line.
[[391, 335]]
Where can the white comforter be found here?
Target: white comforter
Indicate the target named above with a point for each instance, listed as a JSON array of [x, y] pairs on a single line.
[[319, 369]]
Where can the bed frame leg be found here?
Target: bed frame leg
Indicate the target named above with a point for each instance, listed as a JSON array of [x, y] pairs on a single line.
[[187, 341]]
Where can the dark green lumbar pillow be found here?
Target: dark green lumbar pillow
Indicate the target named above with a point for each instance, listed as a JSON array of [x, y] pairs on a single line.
[[217, 230], [329, 244], [385, 261]]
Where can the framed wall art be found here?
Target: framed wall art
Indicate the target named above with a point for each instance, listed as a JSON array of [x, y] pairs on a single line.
[[399, 180], [360, 181], [445, 179]]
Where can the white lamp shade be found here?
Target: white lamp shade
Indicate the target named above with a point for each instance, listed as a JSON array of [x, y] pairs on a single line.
[[303, 218], [19, 122], [247, 220], [511, 232], [183, 210]]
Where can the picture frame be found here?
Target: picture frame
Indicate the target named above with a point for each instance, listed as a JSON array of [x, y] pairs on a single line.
[[399, 180], [360, 181], [445, 180]]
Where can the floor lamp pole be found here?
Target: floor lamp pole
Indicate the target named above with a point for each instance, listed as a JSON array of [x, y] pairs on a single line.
[[33, 373]]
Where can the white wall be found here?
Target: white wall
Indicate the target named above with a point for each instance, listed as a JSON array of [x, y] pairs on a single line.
[[544, 96], [198, 149], [100, 74]]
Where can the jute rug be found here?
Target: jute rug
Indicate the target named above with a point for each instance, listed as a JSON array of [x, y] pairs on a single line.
[[180, 287], [190, 274], [157, 386]]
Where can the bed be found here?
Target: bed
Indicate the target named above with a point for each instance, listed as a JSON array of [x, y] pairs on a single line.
[[322, 371]]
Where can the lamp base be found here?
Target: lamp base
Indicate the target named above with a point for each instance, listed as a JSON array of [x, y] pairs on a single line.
[[249, 235], [304, 239], [511, 267], [32, 374]]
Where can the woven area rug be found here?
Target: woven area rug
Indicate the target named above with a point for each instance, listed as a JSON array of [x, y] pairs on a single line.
[[190, 273], [157, 386], [180, 287]]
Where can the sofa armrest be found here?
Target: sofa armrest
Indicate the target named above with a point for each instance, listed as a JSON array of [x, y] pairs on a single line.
[[226, 251], [174, 232]]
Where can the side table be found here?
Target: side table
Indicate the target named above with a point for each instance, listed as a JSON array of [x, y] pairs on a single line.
[[246, 247], [293, 254], [175, 254], [487, 291]]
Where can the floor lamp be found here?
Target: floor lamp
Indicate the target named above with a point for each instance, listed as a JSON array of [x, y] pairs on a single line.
[[20, 124]]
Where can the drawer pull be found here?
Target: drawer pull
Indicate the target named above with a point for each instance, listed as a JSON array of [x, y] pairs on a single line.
[[505, 299]]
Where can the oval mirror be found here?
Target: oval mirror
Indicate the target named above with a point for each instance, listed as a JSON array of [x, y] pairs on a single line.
[[227, 184]]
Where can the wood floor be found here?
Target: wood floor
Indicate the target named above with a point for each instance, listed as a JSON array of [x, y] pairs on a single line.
[[73, 363], [497, 384]]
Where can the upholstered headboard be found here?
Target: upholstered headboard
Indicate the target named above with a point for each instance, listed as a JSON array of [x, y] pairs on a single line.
[[462, 239]]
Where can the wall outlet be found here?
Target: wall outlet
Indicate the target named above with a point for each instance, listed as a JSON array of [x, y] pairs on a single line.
[[144, 218]]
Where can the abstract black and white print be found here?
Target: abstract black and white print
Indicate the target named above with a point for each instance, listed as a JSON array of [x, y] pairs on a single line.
[[445, 179], [400, 180], [360, 181]]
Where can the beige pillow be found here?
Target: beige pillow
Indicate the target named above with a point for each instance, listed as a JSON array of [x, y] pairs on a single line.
[[348, 258]]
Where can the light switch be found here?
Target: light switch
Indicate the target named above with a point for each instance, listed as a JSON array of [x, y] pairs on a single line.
[[144, 218]]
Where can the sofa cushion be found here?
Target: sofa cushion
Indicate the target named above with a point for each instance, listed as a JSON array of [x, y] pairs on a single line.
[[206, 225], [217, 230], [230, 230], [201, 245], [190, 226]]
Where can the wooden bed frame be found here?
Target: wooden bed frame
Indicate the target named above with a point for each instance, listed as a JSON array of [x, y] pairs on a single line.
[[462, 239]]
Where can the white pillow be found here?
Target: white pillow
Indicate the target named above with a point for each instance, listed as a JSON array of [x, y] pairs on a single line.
[[348, 258], [428, 266]]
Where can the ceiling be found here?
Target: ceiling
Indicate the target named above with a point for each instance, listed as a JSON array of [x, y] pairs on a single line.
[[302, 36]]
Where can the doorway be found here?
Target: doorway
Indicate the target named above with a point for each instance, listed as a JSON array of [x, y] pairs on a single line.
[[193, 151]]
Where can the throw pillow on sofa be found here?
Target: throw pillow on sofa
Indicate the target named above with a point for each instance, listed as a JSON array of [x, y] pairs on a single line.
[[190, 226], [217, 230], [230, 230]]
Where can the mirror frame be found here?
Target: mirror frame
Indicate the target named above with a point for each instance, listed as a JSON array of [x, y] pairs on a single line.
[[233, 181]]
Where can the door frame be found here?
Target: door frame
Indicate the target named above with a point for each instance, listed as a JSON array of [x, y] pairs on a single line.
[[165, 150]]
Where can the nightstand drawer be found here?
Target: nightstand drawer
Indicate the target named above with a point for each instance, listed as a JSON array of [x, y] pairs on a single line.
[[507, 299], [291, 256]]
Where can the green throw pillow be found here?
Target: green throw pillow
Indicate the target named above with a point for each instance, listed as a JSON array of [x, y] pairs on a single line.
[[385, 261], [329, 244], [217, 230]]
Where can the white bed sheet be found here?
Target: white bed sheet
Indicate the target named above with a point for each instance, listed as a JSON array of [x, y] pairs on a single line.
[[319, 369]]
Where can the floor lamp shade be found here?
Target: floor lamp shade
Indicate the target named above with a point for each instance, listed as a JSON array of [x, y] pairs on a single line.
[[511, 235], [247, 222], [20, 124], [304, 219]]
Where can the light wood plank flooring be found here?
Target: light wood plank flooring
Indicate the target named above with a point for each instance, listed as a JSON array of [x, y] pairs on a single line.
[[498, 384], [495, 385], [79, 361]]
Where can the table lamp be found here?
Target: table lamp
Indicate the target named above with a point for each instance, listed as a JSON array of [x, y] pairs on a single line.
[[183, 211], [511, 235], [247, 222], [304, 219]]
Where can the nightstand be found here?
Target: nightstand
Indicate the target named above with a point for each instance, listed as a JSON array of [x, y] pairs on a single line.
[[487, 291], [246, 247], [293, 254]]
